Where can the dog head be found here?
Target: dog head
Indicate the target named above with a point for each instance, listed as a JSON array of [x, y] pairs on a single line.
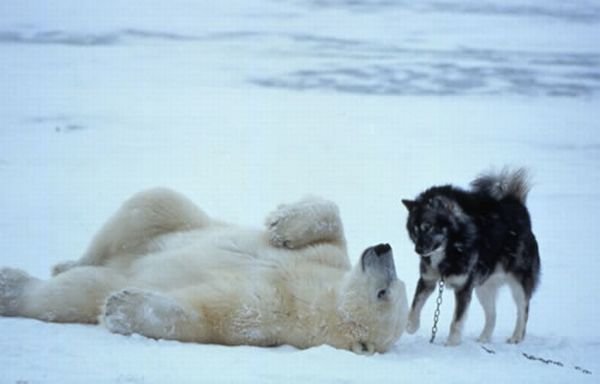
[[431, 221]]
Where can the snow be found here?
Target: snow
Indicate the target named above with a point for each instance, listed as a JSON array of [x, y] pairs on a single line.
[[243, 105]]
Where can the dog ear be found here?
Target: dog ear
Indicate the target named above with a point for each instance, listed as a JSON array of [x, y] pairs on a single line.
[[409, 204]]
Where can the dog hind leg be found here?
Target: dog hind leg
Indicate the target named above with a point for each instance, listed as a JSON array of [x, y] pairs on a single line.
[[487, 294], [522, 302]]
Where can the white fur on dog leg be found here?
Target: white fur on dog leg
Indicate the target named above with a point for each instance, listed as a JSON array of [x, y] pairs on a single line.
[[484, 338], [455, 336], [521, 302], [413, 325], [453, 340]]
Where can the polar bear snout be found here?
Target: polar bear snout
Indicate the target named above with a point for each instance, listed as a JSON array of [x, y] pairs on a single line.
[[379, 260]]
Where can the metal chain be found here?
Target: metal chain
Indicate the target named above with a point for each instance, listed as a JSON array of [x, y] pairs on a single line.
[[555, 362], [436, 314], [542, 360]]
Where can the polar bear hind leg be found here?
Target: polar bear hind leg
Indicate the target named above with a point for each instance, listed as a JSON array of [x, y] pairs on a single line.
[[308, 221], [75, 296], [134, 227]]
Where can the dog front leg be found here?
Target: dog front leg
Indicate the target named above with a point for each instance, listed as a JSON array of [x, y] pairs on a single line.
[[462, 299], [422, 293]]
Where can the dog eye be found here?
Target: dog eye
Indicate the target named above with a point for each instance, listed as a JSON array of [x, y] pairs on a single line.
[[425, 227]]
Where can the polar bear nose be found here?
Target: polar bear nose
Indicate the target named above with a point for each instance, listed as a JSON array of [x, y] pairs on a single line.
[[382, 249], [378, 261]]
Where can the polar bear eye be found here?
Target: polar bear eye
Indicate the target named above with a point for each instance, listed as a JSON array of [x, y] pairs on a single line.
[[382, 293]]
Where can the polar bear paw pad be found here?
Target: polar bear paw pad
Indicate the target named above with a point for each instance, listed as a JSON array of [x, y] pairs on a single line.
[[121, 311]]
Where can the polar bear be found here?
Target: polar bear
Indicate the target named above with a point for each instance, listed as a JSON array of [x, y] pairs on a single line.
[[162, 268]]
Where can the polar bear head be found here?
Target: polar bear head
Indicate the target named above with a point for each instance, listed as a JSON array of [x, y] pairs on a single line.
[[372, 303]]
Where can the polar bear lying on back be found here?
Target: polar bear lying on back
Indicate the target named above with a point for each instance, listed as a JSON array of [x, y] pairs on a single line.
[[162, 268]]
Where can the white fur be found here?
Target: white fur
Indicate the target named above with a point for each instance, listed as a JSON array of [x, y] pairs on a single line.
[[162, 268], [521, 302], [456, 281], [487, 294]]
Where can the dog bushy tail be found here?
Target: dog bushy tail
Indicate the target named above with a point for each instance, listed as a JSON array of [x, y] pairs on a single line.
[[504, 183]]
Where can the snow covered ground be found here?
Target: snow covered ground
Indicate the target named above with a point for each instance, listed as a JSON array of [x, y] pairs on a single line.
[[246, 104]]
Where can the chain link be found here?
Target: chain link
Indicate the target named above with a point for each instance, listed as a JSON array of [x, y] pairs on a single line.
[[436, 314]]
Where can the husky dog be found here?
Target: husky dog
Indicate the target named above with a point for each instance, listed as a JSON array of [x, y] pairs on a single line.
[[478, 239]]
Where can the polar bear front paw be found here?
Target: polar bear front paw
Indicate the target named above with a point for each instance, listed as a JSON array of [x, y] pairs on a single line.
[[307, 221], [281, 227]]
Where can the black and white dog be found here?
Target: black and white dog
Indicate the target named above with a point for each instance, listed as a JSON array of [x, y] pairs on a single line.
[[478, 239]]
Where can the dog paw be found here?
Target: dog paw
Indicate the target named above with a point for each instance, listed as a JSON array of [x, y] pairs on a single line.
[[484, 339], [12, 284], [514, 339], [412, 326], [453, 340]]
